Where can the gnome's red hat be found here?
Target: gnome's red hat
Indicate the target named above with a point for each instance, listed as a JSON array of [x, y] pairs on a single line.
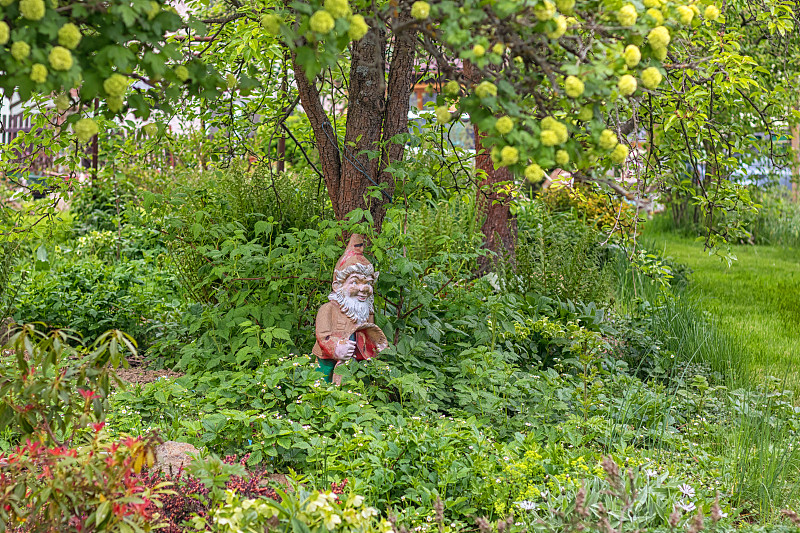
[[353, 261]]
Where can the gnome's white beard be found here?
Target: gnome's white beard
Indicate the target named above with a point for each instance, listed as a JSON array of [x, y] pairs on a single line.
[[354, 309]]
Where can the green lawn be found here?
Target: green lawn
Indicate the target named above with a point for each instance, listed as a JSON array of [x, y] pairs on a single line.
[[756, 300]]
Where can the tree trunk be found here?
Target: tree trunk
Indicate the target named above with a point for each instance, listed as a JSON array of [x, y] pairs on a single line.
[[493, 202], [375, 113]]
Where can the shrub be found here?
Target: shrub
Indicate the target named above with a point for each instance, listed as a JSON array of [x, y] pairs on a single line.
[[92, 487], [300, 509], [64, 474], [559, 256], [91, 296], [593, 207], [98, 206]]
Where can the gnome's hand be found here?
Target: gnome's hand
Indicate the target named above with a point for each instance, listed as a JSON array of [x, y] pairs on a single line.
[[344, 350]]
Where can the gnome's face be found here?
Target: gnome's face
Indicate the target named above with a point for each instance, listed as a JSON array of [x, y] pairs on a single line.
[[358, 286], [354, 293]]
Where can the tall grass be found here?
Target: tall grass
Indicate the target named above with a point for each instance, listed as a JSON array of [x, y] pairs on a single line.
[[676, 314], [758, 445], [761, 450]]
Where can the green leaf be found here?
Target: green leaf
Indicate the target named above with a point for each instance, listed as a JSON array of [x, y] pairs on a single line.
[[102, 513]]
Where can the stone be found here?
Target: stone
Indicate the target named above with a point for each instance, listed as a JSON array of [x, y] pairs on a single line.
[[172, 455]]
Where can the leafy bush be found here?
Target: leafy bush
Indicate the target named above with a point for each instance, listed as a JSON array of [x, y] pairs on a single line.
[[92, 487], [98, 206], [310, 511], [559, 256], [64, 473], [90, 296], [777, 222], [592, 206]]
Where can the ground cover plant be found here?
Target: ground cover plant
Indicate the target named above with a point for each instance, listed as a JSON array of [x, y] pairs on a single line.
[[500, 396]]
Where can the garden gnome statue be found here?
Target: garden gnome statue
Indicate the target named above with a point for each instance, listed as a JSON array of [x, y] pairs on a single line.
[[345, 325]]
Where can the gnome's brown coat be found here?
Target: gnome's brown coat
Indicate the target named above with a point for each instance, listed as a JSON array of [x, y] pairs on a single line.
[[334, 327]]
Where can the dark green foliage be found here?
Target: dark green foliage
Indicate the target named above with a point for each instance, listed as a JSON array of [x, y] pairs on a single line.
[[99, 205], [92, 296], [499, 389], [292, 199], [560, 257]]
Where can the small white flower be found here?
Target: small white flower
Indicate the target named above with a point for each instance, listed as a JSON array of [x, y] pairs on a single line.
[[687, 490], [526, 505], [687, 506]]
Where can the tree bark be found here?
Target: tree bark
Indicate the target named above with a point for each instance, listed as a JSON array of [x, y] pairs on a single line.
[[375, 113], [493, 201]]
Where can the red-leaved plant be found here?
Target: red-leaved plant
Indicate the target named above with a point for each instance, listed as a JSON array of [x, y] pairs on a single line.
[[64, 474]]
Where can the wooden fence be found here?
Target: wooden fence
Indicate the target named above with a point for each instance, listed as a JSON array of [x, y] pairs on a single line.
[[12, 125]]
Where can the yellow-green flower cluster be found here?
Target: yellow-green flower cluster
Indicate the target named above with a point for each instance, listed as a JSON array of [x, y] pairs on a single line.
[[651, 77], [443, 115], [5, 33], [586, 113], [626, 85], [711, 12], [321, 22], [115, 103], [272, 23], [60, 58], [573, 86], [545, 10], [685, 14], [553, 132], [656, 15], [115, 85], [608, 140], [627, 15], [562, 157], [619, 154], [534, 174], [337, 8], [150, 129], [632, 55], [504, 125], [39, 73], [659, 38], [32, 9], [420, 10], [20, 50], [6, 3], [63, 103], [69, 36], [560, 29], [565, 6], [509, 155], [486, 89], [85, 129], [182, 73], [358, 28], [452, 88], [479, 50]]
